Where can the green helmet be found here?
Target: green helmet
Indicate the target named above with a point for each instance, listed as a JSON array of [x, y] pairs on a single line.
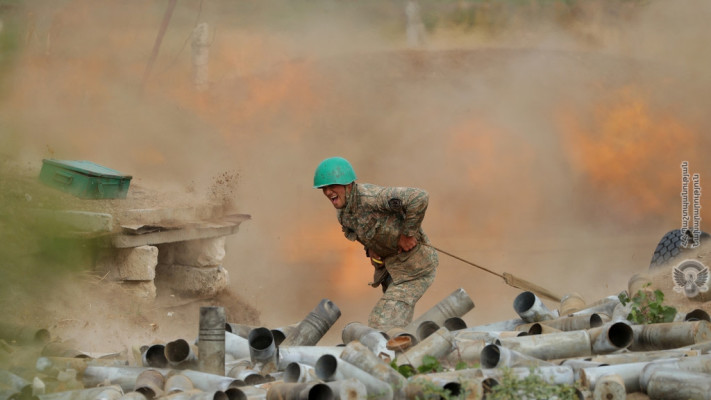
[[333, 171]]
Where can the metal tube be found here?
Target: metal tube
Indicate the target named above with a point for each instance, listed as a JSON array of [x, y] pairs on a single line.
[[247, 393], [692, 364], [245, 373], [468, 351], [52, 365], [493, 356], [571, 303], [610, 387], [299, 373], [375, 340], [577, 322], [262, 349], [551, 346], [208, 382], [308, 355], [198, 395], [150, 384], [670, 335], [425, 329], [531, 309], [630, 374], [282, 332], [679, 385], [330, 368], [154, 356], [508, 325], [455, 324], [697, 315], [641, 356], [312, 328], [299, 391], [211, 340], [236, 346], [489, 336], [557, 375], [177, 383], [461, 384], [97, 393], [611, 337], [538, 329], [180, 354], [241, 330], [359, 355], [126, 377], [603, 306], [456, 304], [348, 389], [437, 345]]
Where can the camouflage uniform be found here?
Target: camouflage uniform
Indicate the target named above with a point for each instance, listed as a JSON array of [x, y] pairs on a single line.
[[376, 217]]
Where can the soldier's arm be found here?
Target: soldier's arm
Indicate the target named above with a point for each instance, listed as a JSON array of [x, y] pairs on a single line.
[[411, 203]]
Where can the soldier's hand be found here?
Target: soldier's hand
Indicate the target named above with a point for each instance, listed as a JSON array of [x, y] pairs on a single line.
[[406, 243]]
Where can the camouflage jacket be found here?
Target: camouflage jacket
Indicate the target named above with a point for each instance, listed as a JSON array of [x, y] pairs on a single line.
[[376, 216]]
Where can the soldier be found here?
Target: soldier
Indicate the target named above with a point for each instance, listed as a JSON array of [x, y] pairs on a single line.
[[386, 221]]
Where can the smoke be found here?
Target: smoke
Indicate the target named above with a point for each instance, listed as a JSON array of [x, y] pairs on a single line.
[[549, 135]]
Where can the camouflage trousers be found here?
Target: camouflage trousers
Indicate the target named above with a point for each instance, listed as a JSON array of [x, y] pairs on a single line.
[[397, 306]]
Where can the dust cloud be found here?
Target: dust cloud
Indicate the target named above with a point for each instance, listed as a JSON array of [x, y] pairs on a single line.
[[549, 135]]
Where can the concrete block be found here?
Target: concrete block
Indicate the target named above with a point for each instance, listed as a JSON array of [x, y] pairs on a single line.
[[143, 290], [130, 264], [192, 281], [195, 253]]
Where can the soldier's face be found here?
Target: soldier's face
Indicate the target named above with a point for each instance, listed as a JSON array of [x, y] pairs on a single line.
[[336, 194]]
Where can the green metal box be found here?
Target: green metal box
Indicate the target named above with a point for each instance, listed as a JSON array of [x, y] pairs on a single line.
[[84, 179]]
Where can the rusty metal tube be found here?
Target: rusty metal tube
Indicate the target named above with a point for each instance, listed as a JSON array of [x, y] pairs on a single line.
[[695, 315], [373, 339], [679, 385], [539, 329], [571, 303], [308, 355], [493, 356], [455, 324], [262, 349], [700, 363], [348, 389], [241, 330], [611, 337], [282, 332], [154, 356], [500, 326], [425, 329], [630, 374], [359, 355], [670, 335], [300, 391], [177, 383], [180, 354], [468, 351], [102, 392], [531, 309], [456, 304], [247, 393], [463, 384], [557, 374], [211, 340], [150, 384], [610, 387], [642, 356], [312, 328], [126, 377], [577, 322], [489, 336], [298, 373], [236, 346], [330, 368], [437, 345], [550, 346], [603, 306], [245, 373]]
